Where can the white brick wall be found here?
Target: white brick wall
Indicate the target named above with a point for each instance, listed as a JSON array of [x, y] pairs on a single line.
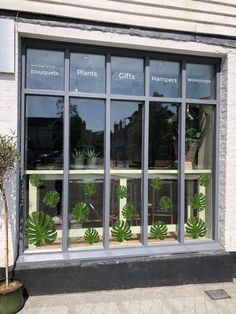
[[8, 122]]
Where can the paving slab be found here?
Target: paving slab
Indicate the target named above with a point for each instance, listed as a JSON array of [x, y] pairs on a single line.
[[184, 299]]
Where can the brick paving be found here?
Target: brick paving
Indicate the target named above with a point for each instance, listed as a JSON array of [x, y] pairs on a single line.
[[164, 300]]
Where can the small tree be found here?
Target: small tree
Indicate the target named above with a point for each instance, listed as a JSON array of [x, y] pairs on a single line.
[[8, 157]]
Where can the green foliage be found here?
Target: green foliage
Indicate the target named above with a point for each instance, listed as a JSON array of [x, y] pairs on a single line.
[[121, 191], [8, 155], [90, 153], [198, 202], [129, 212], [196, 228], [36, 180], [80, 212], [159, 230], [203, 180], [79, 153], [156, 183], [40, 229], [91, 236], [89, 188], [165, 203], [121, 231], [191, 133], [51, 199]]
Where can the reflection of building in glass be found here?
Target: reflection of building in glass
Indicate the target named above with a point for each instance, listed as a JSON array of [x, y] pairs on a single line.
[[126, 140]]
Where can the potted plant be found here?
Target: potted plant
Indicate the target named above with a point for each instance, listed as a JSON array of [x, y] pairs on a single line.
[[11, 290], [91, 156], [79, 156]]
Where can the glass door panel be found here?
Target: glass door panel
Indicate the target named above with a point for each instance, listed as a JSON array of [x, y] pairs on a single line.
[[126, 173], [86, 178], [44, 161], [163, 172], [199, 152]]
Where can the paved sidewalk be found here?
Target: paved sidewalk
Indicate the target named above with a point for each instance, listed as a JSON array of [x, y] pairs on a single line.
[[160, 300]]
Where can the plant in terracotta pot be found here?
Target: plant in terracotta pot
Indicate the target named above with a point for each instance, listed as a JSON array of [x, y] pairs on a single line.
[[11, 289]]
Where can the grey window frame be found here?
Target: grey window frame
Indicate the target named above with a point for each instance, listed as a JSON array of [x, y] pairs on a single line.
[[144, 248]]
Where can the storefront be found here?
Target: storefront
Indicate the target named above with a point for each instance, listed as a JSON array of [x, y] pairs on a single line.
[[123, 145]]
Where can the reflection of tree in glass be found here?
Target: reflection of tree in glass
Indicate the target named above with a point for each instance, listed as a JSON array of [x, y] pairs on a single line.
[[163, 134]]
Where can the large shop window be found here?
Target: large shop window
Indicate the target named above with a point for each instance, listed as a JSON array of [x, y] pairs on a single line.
[[119, 148]]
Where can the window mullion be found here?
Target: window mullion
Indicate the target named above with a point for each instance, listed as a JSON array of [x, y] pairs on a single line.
[[66, 145], [181, 158], [106, 192]]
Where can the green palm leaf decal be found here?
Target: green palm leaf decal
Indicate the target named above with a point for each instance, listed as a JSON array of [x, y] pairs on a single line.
[[40, 229], [80, 212], [51, 198], [36, 180], [89, 188], [203, 180], [196, 228], [159, 230], [121, 231], [129, 212], [165, 203], [121, 191], [156, 183], [91, 236], [198, 202]]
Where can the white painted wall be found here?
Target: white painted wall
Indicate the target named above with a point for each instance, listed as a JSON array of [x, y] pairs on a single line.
[[212, 17]]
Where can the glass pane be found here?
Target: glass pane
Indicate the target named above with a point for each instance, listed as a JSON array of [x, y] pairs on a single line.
[[87, 73], [200, 81], [163, 172], [198, 170], [87, 119], [45, 69], [44, 161], [126, 173], [127, 76], [164, 79]]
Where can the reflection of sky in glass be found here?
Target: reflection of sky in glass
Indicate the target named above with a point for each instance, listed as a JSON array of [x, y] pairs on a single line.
[[200, 81], [127, 76], [45, 69], [87, 73], [121, 110], [164, 79], [43, 107], [91, 111]]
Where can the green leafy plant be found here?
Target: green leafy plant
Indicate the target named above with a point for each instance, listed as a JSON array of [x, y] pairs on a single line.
[[91, 236], [89, 188], [79, 153], [159, 230], [40, 229], [80, 212], [198, 202], [51, 199], [191, 133], [91, 153], [156, 183], [36, 180], [203, 180], [121, 231], [121, 191], [129, 212], [165, 203], [196, 228]]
